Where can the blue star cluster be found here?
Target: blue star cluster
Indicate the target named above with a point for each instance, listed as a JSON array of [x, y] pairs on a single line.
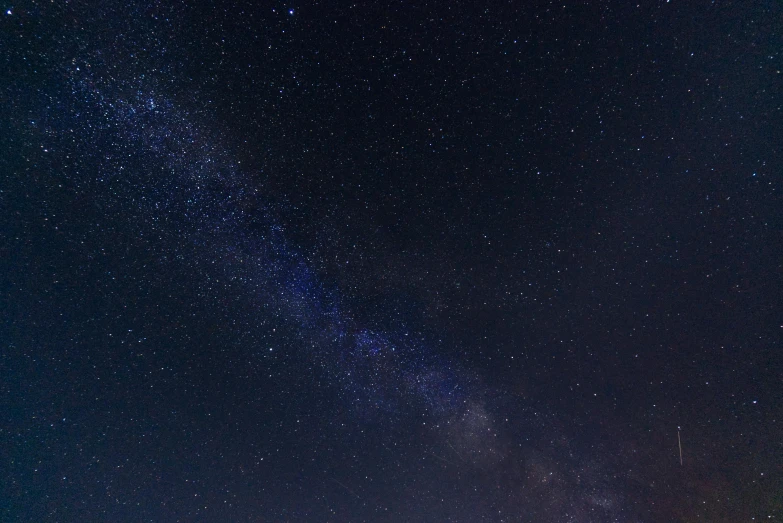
[[161, 171]]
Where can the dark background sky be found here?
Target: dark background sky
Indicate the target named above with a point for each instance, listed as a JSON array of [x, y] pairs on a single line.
[[391, 262]]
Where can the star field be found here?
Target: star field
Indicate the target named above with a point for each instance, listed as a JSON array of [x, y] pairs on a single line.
[[389, 262]]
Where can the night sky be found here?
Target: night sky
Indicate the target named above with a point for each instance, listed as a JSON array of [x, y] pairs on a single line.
[[391, 261]]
